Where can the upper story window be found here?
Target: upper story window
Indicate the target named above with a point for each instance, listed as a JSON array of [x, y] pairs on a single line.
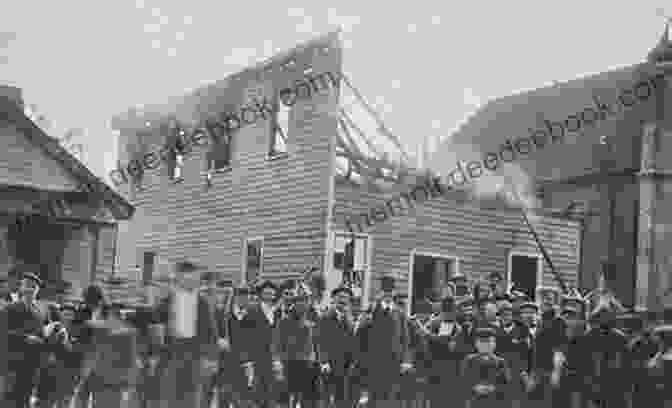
[[280, 130], [253, 258], [219, 156]]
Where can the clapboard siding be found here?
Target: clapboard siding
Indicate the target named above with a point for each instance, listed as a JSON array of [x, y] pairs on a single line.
[[282, 200], [481, 237]]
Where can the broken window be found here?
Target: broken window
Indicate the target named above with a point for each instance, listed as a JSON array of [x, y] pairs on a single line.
[[148, 260], [253, 258], [219, 156], [280, 130]]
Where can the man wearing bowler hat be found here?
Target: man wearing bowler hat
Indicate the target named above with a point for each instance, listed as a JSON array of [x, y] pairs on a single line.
[[26, 320], [385, 348]]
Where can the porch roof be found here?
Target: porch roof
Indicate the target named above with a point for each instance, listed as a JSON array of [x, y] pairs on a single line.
[[89, 183]]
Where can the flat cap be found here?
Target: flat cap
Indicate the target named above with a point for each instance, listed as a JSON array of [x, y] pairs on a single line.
[[504, 305], [529, 305], [342, 289]]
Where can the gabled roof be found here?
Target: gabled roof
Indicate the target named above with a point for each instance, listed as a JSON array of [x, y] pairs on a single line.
[[514, 116], [119, 206]]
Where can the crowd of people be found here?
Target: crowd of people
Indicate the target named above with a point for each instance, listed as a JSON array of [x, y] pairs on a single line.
[[477, 345]]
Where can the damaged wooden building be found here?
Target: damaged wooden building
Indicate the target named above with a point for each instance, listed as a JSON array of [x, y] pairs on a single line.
[[267, 194]]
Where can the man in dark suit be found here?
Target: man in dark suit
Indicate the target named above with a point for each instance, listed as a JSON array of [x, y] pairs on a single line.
[[338, 349], [384, 348], [25, 327], [514, 344], [260, 323]]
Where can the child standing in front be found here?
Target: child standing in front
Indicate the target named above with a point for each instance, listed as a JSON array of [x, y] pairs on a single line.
[[486, 375]]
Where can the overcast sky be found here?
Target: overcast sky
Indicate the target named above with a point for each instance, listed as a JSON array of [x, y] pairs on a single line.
[[424, 65]]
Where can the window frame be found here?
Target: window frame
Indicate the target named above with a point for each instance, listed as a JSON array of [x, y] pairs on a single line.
[[243, 261], [540, 269], [210, 163], [411, 263], [275, 128], [366, 279], [146, 280]]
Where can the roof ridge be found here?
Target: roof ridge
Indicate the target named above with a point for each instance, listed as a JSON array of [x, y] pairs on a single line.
[[52, 148]]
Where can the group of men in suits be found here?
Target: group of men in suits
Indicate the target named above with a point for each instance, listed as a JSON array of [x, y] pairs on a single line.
[[276, 346]]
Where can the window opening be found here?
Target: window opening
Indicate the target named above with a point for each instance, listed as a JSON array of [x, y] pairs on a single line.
[[149, 259], [430, 273], [524, 273], [280, 130], [351, 253], [253, 253], [219, 156]]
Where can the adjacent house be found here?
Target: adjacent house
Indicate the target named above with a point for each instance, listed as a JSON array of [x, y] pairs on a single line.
[[257, 175], [55, 214], [610, 167]]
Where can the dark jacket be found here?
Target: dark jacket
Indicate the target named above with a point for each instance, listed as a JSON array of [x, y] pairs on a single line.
[[337, 343], [296, 335]]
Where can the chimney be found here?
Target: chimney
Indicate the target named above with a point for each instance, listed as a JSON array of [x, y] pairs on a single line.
[[12, 93]]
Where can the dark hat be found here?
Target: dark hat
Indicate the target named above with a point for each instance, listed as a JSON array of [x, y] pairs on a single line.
[[505, 305], [664, 333], [529, 305], [243, 290], [225, 284], [458, 276], [287, 285], [487, 300], [209, 276], [448, 305], [495, 276], [265, 285], [69, 306], [387, 284], [434, 295], [466, 302], [485, 332], [93, 295], [571, 309], [342, 289], [33, 277], [548, 291]]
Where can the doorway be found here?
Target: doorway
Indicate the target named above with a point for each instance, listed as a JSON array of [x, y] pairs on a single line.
[[429, 272], [524, 273]]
